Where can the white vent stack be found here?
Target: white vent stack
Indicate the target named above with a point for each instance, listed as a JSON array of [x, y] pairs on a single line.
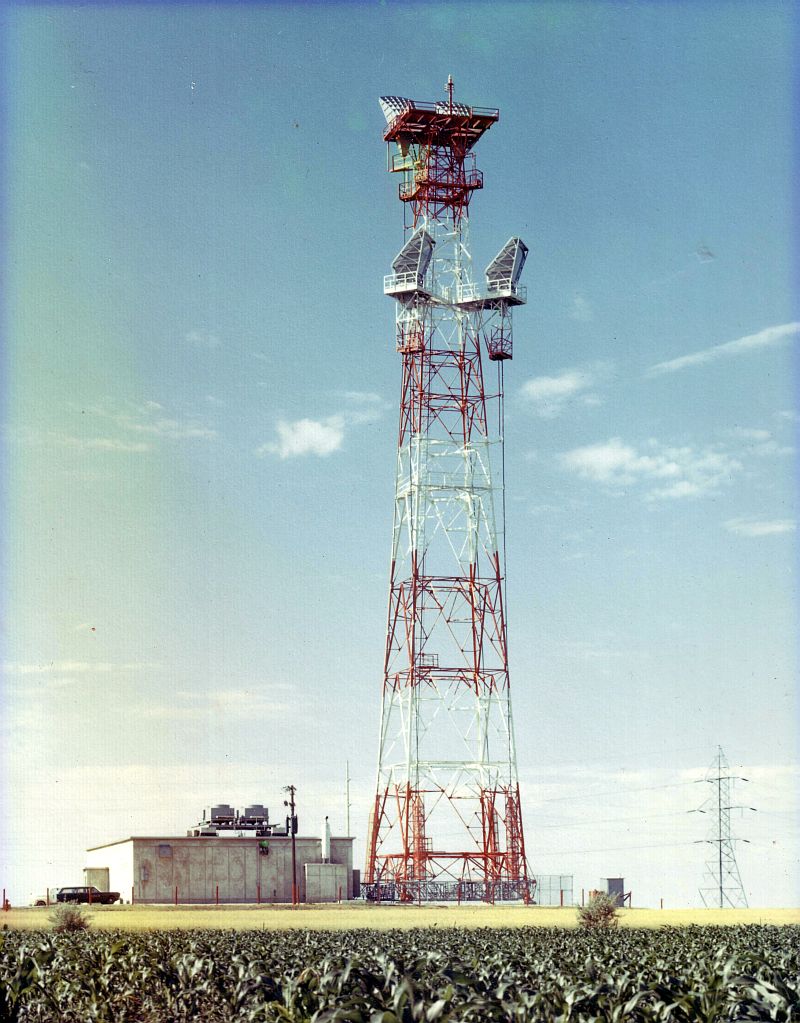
[[326, 842]]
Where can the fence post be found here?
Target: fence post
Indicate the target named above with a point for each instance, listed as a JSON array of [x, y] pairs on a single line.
[[176, 895], [258, 894], [583, 903], [561, 897], [216, 896]]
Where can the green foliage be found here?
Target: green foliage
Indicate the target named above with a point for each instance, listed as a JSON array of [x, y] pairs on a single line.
[[448, 975], [599, 912], [68, 917]]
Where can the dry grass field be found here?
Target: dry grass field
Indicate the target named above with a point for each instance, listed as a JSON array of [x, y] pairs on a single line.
[[345, 917]]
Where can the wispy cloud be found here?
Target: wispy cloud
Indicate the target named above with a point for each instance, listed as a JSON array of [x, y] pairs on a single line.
[[767, 338], [760, 527], [27, 678], [664, 472], [549, 396], [150, 419], [55, 439], [97, 443], [72, 667], [581, 311], [322, 437], [202, 338], [271, 701], [760, 442]]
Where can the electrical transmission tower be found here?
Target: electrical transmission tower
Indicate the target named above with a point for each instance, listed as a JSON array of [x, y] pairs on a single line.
[[722, 884], [446, 822]]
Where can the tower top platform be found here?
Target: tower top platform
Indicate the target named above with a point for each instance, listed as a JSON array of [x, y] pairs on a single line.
[[440, 123]]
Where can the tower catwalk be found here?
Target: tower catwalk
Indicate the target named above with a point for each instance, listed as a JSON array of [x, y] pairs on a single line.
[[446, 823]]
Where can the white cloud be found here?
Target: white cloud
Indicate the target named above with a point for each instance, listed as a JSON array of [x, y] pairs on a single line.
[[322, 437], [202, 338], [550, 395], [760, 527], [363, 407], [665, 472], [581, 311], [748, 434], [306, 437], [767, 338]]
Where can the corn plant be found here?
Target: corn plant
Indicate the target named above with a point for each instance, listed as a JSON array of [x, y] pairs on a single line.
[[448, 975]]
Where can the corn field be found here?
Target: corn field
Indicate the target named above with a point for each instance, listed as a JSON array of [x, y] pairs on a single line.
[[680, 975]]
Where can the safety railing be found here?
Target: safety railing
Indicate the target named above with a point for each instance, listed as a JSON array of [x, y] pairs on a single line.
[[409, 281], [497, 288]]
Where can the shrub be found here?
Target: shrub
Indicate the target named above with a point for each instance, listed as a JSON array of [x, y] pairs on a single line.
[[69, 917], [599, 912]]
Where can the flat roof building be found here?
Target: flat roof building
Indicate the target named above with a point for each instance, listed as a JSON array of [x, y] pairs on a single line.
[[225, 869]]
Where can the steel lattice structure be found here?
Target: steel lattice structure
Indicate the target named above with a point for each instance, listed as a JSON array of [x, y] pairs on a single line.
[[446, 822], [722, 883]]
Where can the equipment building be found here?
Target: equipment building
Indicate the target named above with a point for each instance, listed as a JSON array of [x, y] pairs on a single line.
[[224, 861]]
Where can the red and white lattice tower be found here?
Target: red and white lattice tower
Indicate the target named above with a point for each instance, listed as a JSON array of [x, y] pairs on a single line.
[[446, 822]]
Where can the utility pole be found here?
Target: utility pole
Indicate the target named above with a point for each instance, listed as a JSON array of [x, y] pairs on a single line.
[[347, 795], [722, 883], [291, 821]]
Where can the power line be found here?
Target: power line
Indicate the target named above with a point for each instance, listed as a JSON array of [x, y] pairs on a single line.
[[593, 821], [616, 848], [659, 753], [617, 792]]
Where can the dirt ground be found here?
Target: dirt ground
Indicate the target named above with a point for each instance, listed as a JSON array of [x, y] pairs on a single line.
[[347, 916]]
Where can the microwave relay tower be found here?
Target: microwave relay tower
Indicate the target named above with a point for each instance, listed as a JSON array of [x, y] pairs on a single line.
[[446, 822]]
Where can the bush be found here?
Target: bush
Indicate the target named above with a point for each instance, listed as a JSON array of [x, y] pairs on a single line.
[[599, 912], [69, 917]]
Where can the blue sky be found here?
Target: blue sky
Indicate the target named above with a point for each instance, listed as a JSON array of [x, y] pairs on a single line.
[[201, 396]]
